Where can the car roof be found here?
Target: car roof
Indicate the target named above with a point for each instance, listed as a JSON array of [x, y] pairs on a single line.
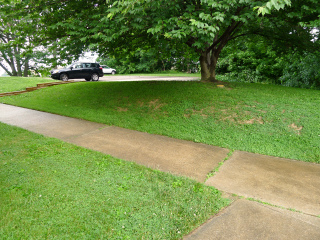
[[85, 62]]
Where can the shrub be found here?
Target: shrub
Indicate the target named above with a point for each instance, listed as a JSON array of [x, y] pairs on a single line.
[[302, 72]]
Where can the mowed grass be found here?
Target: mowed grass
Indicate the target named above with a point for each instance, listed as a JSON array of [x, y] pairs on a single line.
[[266, 119], [53, 190], [10, 84]]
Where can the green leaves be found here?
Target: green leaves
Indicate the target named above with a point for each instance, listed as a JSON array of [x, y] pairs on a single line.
[[272, 4], [118, 27]]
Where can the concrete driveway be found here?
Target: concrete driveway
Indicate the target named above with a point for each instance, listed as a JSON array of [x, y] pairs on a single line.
[[124, 78]]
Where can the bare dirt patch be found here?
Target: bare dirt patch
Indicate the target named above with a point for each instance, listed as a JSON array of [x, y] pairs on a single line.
[[192, 112], [232, 115], [155, 104], [120, 109], [296, 128], [252, 121]]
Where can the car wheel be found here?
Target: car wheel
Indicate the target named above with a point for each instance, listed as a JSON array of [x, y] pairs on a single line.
[[88, 79], [95, 77], [64, 77], [113, 72]]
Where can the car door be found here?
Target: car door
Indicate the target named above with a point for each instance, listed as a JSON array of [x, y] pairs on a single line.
[[106, 69], [75, 72], [86, 70]]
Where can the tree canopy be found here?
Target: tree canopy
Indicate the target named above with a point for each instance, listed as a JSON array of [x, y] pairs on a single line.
[[20, 38], [15, 41], [202, 27]]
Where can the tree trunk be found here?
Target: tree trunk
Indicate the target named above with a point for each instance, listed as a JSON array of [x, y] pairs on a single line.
[[6, 69], [209, 57], [164, 66], [208, 63], [26, 68], [13, 67], [18, 60]]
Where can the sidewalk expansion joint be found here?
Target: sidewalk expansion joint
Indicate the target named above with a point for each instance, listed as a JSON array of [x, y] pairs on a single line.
[[216, 170], [234, 197], [278, 206]]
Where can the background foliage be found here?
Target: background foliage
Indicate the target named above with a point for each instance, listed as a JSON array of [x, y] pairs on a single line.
[[260, 60], [254, 41]]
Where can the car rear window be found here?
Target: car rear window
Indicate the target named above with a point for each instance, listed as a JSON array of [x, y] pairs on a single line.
[[94, 65]]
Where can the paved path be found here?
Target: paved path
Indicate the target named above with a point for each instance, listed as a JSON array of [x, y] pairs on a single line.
[[129, 78], [280, 182], [120, 78]]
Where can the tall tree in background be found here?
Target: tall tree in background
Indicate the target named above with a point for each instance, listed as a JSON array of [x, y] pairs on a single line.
[[203, 27], [15, 44], [21, 41], [207, 26]]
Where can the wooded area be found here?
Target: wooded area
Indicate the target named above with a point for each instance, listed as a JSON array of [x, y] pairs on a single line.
[[241, 40]]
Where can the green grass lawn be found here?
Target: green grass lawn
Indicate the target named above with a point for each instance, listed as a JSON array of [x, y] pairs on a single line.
[[258, 118], [50, 189], [10, 84]]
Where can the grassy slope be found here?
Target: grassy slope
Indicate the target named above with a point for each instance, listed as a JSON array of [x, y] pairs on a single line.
[[50, 189], [10, 84], [258, 118]]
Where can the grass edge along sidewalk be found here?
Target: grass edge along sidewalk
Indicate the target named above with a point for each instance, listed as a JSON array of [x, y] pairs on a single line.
[[265, 119], [51, 188]]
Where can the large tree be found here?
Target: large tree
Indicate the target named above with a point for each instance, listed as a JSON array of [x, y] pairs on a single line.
[[11, 44], [18, 38], [201, 26]]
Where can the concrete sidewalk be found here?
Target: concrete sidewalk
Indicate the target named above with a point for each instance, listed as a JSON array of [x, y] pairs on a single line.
[[285, 183]]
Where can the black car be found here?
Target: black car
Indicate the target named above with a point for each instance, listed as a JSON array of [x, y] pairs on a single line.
[[88, 71]]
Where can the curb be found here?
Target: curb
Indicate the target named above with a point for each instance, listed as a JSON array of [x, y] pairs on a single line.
[[30, 89]]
